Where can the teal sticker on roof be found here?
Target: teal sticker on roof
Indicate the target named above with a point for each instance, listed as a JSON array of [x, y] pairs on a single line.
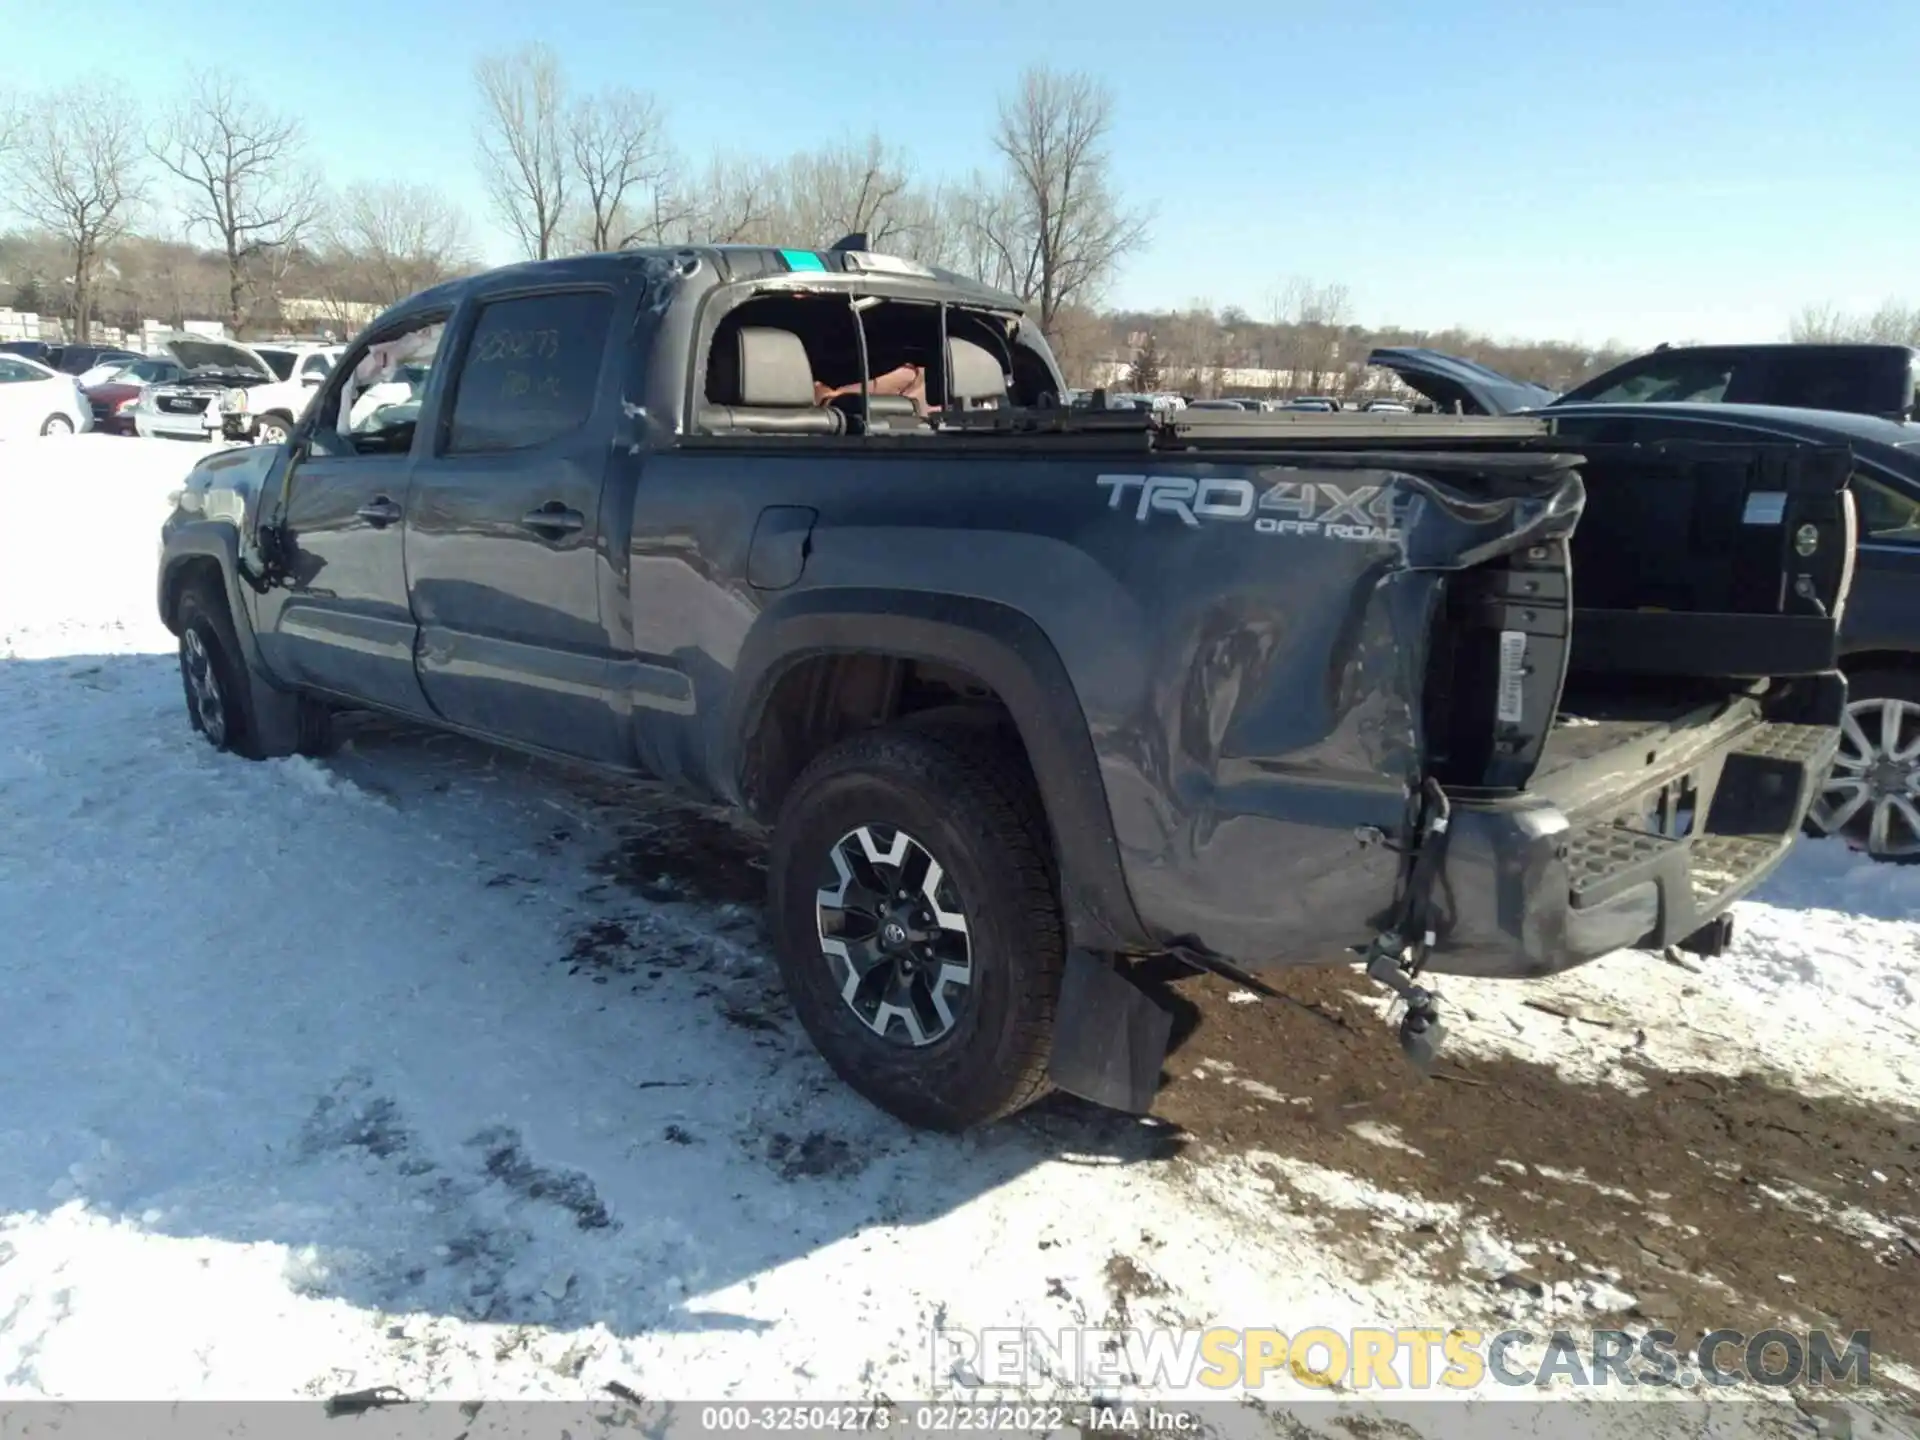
[[802, 260]]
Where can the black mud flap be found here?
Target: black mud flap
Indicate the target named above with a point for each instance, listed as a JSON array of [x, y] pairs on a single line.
[[1109, 1039]]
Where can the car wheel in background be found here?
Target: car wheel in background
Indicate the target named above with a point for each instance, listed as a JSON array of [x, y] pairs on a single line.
[[272, 430], [57, 425], [917, 923], [1871, 797]]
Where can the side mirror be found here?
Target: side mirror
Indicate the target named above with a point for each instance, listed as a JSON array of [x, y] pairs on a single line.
[[313, 382]]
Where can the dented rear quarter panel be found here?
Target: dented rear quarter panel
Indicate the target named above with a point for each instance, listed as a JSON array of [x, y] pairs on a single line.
[[1249, 679]]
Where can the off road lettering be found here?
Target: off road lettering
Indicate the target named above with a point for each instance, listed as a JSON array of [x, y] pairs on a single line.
[[1182, 496]]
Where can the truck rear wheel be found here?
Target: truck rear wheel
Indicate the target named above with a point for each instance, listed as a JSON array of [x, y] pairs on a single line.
[[917, 925]]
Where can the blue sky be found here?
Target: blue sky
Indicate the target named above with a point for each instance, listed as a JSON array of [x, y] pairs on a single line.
[[1641, 172]]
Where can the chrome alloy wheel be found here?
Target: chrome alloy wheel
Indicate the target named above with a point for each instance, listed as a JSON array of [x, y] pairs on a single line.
[[1871, 797], [892, 927]]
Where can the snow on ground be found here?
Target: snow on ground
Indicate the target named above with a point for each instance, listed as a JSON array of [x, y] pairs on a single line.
[[319, 1077]]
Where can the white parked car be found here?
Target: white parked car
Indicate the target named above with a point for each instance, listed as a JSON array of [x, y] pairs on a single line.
[[37, 401], [234, 391]]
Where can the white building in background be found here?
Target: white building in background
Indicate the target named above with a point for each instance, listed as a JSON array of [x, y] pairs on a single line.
[[335, 314], [25, 325], [345, 318], [153, 331]]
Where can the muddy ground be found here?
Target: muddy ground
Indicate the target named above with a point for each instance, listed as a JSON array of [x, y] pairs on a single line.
[[1714, 1202]]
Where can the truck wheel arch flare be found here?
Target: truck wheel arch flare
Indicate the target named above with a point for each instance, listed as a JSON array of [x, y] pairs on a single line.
[[1008, 652]]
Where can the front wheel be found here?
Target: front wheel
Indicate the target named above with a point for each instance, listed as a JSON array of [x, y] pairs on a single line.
[[272, 430], [210, 671], [917, 925], [222, 698], [57, 425], [1871, 797]]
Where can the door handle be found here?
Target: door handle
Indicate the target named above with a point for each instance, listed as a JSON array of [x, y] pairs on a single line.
[[379, 512], [554, 518]]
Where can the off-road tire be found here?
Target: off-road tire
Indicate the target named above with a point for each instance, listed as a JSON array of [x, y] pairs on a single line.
[[965, 794], [200, 617], [202, 610]]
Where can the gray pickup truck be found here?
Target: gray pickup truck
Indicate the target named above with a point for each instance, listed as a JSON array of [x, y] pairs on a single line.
[[1029, 695]]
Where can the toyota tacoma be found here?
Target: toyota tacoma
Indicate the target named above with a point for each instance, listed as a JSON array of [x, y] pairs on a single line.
[[1034, 700]]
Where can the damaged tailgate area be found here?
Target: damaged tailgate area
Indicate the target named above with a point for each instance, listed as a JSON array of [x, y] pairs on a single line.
[[1660, 699], [1505, 702]]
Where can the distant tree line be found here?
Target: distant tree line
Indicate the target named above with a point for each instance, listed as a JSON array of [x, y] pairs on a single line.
[[1893, 323], [251, 222], [1309, 337]]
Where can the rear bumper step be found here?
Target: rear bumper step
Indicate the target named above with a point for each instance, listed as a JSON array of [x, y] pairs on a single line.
[[1651, 869]]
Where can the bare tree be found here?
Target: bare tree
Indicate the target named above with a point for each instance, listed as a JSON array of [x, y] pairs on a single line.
[[1059, 229], [1191, 347], [849, 189], [972, 222], [1818, 324], [523, 146], [1311, 320], [1076, 344], [76, 171], [242, 182], [737, 201], [933, 226], [1892, 324], [1144, 374], [616, 143], [389, 241]]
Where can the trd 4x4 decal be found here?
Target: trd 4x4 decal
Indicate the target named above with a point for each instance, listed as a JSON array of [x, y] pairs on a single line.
[[1275, 507]]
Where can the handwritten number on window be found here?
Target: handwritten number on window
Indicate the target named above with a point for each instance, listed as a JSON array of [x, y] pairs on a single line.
[[497, 345]]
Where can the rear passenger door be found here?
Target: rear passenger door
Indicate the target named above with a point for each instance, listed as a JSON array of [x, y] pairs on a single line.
[[506, 560]]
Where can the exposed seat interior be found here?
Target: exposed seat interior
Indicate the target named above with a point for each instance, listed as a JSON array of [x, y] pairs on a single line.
[[978, 380], [760, 382]]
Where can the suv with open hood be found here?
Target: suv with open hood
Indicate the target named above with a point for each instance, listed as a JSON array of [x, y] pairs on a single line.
[[233, 391]]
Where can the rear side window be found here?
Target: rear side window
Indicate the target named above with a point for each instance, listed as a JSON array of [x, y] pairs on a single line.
[[531, 372], [1670, 379], [1873, 383], [1886, 513]]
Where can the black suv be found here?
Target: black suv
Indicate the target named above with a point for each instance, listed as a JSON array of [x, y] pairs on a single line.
[[78, 359], [1865, 379]]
